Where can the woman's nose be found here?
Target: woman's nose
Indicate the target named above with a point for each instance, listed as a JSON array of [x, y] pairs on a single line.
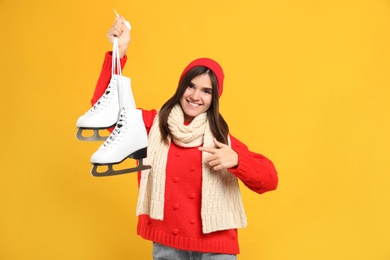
[[195, 94]]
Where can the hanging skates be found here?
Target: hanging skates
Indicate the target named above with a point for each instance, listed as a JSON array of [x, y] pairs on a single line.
[[104, 113], [116, 107]]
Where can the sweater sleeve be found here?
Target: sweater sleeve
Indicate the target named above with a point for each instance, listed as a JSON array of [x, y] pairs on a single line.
[[256, 171], [105, 76], [148, 117]]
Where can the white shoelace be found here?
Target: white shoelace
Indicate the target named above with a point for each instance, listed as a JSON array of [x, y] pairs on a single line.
[[105, 99], [119, 130]]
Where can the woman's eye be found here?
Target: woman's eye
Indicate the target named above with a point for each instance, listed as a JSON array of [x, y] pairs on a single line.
[[208, 91]]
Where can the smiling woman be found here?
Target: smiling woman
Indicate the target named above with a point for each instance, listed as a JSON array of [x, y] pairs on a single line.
[[307, 83], [195, 164], [201, 84]]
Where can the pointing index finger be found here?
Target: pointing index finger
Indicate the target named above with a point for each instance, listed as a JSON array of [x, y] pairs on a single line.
[[207, 149]]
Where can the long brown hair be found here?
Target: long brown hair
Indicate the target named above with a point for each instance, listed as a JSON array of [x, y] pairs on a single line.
[[218, 126]]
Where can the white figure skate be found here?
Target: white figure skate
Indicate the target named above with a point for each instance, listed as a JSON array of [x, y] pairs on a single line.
[[105, 111], [128, 140], [103, 114]]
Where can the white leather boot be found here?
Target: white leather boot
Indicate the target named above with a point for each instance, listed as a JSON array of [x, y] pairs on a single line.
[[105, 112], [128, 140]]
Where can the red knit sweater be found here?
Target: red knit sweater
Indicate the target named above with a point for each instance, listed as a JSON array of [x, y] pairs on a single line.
[[182, 225]]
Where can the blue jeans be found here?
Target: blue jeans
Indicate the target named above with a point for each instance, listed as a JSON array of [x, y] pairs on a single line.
[[161, 252]]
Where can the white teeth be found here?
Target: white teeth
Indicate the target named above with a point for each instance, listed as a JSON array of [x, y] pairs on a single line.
[[193, 104]]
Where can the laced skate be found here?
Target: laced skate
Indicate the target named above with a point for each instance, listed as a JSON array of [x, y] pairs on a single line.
[[128, 140], [103, 114]]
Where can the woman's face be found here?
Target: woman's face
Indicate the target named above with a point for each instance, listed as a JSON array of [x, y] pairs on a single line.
[[197, 97]]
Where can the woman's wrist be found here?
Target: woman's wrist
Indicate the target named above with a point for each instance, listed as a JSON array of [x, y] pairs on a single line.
[[122, 51]]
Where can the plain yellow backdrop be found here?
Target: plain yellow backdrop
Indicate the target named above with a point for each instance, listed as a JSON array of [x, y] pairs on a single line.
[[307, 85]]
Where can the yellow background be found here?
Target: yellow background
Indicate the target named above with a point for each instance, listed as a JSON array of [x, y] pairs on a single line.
[[307, 84]]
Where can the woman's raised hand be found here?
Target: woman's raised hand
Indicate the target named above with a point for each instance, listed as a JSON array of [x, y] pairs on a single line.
[[119, 29]]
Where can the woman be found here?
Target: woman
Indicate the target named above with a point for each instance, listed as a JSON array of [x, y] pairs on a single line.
[[189, 203]]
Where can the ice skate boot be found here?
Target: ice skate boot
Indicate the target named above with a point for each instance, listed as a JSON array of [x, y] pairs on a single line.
[[128, 140], [103, 114]]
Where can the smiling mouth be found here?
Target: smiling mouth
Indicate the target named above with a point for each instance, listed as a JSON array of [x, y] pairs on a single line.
[[193, 104]]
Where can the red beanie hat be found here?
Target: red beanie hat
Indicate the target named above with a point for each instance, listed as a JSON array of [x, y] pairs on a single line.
[[211, 65]]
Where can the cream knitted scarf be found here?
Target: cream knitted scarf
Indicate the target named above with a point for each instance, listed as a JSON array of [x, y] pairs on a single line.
[[221, 207]]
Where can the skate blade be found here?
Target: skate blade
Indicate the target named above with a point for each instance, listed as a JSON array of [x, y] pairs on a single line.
[[111, 172], [95, 137]]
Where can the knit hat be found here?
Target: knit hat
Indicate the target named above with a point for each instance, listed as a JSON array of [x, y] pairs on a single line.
[[211, 65]]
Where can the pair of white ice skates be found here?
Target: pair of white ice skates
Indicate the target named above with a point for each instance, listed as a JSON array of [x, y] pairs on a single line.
[[128, 139]]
